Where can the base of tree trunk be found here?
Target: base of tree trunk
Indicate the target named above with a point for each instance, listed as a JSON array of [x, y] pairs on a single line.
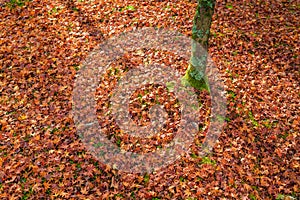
[[188, 80]]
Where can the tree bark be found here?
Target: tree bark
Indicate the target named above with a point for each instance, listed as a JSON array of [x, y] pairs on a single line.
[[195, 74]]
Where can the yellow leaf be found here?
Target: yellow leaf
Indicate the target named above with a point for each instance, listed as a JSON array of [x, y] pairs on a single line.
[[22, 117]]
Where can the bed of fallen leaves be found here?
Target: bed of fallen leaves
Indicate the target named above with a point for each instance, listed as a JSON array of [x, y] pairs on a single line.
[[255, 44]]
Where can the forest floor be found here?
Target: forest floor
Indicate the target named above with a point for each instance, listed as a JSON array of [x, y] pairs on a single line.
[[254, 44]]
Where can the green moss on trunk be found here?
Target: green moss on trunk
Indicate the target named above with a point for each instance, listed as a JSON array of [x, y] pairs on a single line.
[[188, 80]]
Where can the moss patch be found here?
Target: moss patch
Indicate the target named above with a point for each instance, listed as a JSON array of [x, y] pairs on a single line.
[[188, 80]]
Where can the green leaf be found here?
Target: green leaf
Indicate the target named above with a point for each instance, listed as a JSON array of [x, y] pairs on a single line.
[[229, 6], [207, 160], [132, 8], [254, 122], [280, 196], [146, 178], [252, 197], [170, 86]]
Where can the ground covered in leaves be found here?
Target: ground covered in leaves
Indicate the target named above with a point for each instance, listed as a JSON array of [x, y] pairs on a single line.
[[255, 45]]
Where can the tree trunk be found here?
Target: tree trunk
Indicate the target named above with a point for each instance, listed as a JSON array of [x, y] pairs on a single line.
[[195, 74]]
